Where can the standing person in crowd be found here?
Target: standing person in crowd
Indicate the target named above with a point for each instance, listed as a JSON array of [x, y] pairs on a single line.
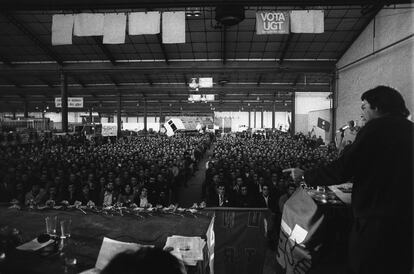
[[380, 163]]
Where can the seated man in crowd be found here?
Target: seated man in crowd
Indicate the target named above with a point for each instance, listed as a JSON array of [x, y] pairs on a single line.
[[291, 188], [35, 196], [108, 197], [244, 198], [220, 199], [265, 200]]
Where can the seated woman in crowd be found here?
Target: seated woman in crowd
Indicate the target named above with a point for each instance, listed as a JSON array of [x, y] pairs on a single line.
[[142, 200]]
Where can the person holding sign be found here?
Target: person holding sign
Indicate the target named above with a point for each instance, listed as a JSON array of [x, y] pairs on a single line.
[[379, 162]]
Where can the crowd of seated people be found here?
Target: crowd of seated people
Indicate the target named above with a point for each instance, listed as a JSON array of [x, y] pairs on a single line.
[[140, 170], [246, 171]]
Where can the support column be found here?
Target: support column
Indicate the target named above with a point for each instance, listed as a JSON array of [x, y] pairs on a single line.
[[250, 118], [145, 116], [261, 120], [64, 98], [90, 116], [26, 109], [254, 116], [273, 114], [14, 114], [162, 117], [292, 123], [333, 107], [118, 115]]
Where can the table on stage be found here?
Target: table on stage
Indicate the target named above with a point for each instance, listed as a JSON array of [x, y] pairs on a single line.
[[87, 232]]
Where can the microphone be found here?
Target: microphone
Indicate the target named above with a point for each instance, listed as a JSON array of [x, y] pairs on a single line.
[[350, 124]]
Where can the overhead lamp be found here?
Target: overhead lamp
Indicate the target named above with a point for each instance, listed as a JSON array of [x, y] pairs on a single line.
[[193, 12], [193, 84]]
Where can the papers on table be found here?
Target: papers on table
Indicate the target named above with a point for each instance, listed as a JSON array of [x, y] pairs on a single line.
[[33, 245], [109, 249], [187, 249]]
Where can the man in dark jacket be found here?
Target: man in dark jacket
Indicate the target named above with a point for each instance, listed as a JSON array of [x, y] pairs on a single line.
[[380, 163], [220, 199]]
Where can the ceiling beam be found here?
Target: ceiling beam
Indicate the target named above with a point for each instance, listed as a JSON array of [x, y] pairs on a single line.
[[108, 54], [259, 80], [11, 81], [70, 5], [295, 82], [371, 15], [223, 44], [6, 61], [44, 81], [285, 49], [149, 80], [164, 89], [34, 37], [177, 67], [114, 81], [163, 49], [78, 80]]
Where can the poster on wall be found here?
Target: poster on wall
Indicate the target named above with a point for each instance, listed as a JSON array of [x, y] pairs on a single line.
[[192, 122], [73, 102], [109, 129]]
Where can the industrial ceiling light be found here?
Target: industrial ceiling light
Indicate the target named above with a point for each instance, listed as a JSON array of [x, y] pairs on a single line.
[[193, 84], [229, 15], [193, 12]]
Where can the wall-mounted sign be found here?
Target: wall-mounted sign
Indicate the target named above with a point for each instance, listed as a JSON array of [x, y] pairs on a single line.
[[109, 129], [73, 102], [272, 22]]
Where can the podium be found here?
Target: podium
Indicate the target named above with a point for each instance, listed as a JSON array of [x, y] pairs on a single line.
[[239, 244]]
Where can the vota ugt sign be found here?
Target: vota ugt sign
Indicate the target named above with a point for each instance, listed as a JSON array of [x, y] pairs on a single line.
[[272, 22]]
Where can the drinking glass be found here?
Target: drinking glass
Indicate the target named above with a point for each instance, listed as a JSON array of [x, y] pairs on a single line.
[[65, 228], [51, 223]]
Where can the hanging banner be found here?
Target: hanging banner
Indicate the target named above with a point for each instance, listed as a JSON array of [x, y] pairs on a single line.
[[73, 102], [307, 21], [272, 22]]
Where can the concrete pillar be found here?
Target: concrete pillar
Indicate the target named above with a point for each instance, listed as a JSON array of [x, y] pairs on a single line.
[[26, 109], [250, 119], [292, 122], [145, 116], [333, 107], [90, 116], [273, 114], [261, 120], [254, 116], [64, 98], [118, 115]]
